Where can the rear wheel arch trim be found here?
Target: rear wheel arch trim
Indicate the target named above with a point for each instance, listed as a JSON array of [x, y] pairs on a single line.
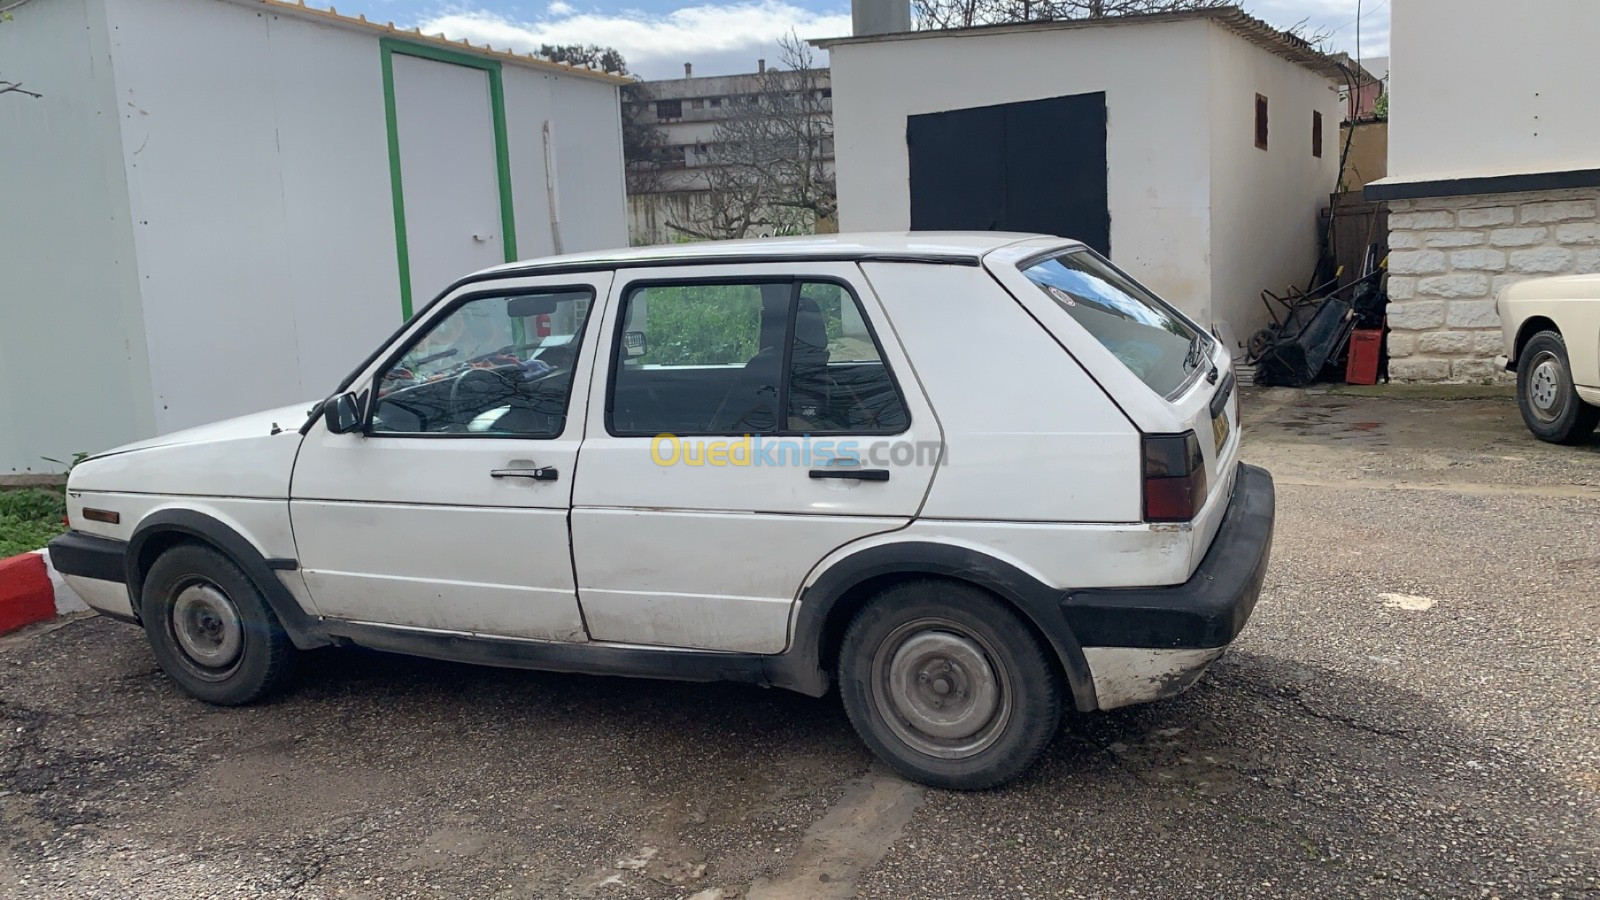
[[303, 629], [1039, 605]]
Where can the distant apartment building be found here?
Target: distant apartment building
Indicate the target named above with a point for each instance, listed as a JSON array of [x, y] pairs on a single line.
[[672, 177]]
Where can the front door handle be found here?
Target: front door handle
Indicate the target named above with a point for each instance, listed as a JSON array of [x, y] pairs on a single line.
[[852, 474], [543, 473]]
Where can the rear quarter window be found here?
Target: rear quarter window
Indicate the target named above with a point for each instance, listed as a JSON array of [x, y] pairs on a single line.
[[1152, 339]]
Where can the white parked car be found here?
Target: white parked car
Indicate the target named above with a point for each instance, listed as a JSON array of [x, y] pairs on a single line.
[[1551, 328], [969, 478]]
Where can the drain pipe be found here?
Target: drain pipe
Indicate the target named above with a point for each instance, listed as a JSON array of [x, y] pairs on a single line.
[[551, 194]]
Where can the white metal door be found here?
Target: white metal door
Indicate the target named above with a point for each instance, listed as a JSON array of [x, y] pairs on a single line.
[[713, 556], [462, 526], [444, 127]]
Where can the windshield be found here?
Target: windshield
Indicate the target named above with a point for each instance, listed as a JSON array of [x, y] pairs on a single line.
[[1157, 344]]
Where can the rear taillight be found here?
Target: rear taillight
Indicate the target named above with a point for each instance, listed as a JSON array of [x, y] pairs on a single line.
[[1174, 477]]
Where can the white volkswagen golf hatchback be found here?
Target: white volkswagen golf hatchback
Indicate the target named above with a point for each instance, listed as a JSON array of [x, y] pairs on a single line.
[[968, 478]]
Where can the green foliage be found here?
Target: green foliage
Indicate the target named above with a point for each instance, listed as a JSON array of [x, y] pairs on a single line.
[[1380, 107], [606, 59], [29, 519], [702, 325]]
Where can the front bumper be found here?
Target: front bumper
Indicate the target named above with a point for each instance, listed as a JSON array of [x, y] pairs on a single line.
[[96, 568], [1148, 643]]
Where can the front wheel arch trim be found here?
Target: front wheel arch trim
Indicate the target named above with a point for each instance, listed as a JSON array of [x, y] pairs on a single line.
[[304, 630], [802, 666]]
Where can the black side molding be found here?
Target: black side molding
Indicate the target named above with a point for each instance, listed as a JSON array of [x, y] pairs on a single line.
[[556, 656]]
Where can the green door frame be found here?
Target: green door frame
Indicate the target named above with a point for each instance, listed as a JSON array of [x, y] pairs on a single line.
[[387, 48]]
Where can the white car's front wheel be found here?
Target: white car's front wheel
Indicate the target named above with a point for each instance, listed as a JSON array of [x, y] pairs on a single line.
[[211, 629], [1550, 404]]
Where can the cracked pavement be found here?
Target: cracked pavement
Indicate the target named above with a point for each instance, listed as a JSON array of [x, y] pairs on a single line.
[[1445, 743]]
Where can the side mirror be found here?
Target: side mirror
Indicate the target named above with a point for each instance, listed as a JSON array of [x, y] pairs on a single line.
[[633, 344], [341, 414]]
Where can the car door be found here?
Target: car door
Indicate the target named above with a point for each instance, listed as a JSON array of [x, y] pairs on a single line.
[[750, 421], [448, 509]]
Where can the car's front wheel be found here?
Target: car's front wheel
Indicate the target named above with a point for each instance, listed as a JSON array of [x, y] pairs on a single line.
[[948, 686], [1550, 404], [210, 628]]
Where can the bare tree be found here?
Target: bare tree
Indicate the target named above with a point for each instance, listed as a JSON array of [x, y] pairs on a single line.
[[933, 14], [644, 147], [768, 166], [13, 87]]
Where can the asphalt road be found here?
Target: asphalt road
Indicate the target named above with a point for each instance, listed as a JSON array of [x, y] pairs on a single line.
[[1413, 711]]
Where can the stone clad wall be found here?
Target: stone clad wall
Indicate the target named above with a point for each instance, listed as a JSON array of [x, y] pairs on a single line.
[[1450, 256]]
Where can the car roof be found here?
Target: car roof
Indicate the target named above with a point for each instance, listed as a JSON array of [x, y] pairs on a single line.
[[945, 247]]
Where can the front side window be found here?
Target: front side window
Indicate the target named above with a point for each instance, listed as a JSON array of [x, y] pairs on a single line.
[[499, 365], [789, 357], [1147, 335]]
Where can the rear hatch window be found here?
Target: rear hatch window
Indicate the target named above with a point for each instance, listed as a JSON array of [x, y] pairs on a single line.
[[1157, 344]]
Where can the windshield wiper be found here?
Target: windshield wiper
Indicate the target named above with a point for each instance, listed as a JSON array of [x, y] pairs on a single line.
[[1194, 356]]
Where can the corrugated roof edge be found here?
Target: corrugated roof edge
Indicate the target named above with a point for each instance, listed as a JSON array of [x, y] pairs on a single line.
[[388, 29], [1279, 43]]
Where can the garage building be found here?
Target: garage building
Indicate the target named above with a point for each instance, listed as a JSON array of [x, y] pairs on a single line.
[[218, 206], [1195, 148]]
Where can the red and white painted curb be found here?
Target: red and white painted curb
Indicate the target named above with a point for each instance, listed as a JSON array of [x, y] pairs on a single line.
[[31, 590]]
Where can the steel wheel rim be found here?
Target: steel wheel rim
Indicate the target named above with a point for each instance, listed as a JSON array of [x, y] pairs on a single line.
[[1547, 386], [207, 629], [939, 689]]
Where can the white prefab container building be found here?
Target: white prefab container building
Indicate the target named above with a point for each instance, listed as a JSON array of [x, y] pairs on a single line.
[[218, 206], [1196, 148]]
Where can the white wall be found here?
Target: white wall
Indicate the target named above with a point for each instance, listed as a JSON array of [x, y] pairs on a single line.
[[257, 165], [1264, 203], [1482, 87], [1153, 76], [72, 359], [588, 161]]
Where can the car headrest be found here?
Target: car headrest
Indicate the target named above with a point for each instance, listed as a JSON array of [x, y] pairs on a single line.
[[810, 334]]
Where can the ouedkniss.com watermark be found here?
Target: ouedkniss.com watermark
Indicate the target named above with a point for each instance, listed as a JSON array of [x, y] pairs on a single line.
[[802, 450]]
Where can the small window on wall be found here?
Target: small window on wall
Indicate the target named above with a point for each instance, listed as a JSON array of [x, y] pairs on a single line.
[[1261, 121], [1316, 134], [669, 109]]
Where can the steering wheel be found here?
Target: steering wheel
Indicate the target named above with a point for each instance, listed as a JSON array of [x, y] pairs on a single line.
[[506, 377]]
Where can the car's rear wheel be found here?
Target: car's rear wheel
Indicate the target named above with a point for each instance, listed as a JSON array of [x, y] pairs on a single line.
[[948, 686], [1550, 404], [210, 628]]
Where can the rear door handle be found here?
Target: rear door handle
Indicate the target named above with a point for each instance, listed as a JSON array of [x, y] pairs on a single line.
[[852, 474], [543, 473]]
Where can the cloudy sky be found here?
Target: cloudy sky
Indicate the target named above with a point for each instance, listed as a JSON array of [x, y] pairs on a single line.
[[658, 36]]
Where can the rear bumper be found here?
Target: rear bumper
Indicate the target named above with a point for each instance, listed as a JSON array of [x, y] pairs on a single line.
[[1148, 643], [96, 568]]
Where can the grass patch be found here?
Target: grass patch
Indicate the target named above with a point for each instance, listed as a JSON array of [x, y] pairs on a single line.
[[29, 519]]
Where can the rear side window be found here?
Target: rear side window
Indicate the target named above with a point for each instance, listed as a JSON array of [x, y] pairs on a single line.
[[787, 357], [1147, 335]]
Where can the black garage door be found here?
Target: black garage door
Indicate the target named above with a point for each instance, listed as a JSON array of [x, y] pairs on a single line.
[[1038, 165]]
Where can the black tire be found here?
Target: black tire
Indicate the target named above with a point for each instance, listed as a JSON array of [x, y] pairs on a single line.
[[1549, 403], [245, 657], [922, 644]]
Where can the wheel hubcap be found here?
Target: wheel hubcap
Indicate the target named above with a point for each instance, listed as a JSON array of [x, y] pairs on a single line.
[[938, 689], [207, 626], [1547, 386]]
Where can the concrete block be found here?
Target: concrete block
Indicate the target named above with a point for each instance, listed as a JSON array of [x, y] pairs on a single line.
[[1541, 260], [1485, 216], [1557, 211]]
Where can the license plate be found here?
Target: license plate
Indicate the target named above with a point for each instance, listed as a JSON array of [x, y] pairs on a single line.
[[1220, 429]]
